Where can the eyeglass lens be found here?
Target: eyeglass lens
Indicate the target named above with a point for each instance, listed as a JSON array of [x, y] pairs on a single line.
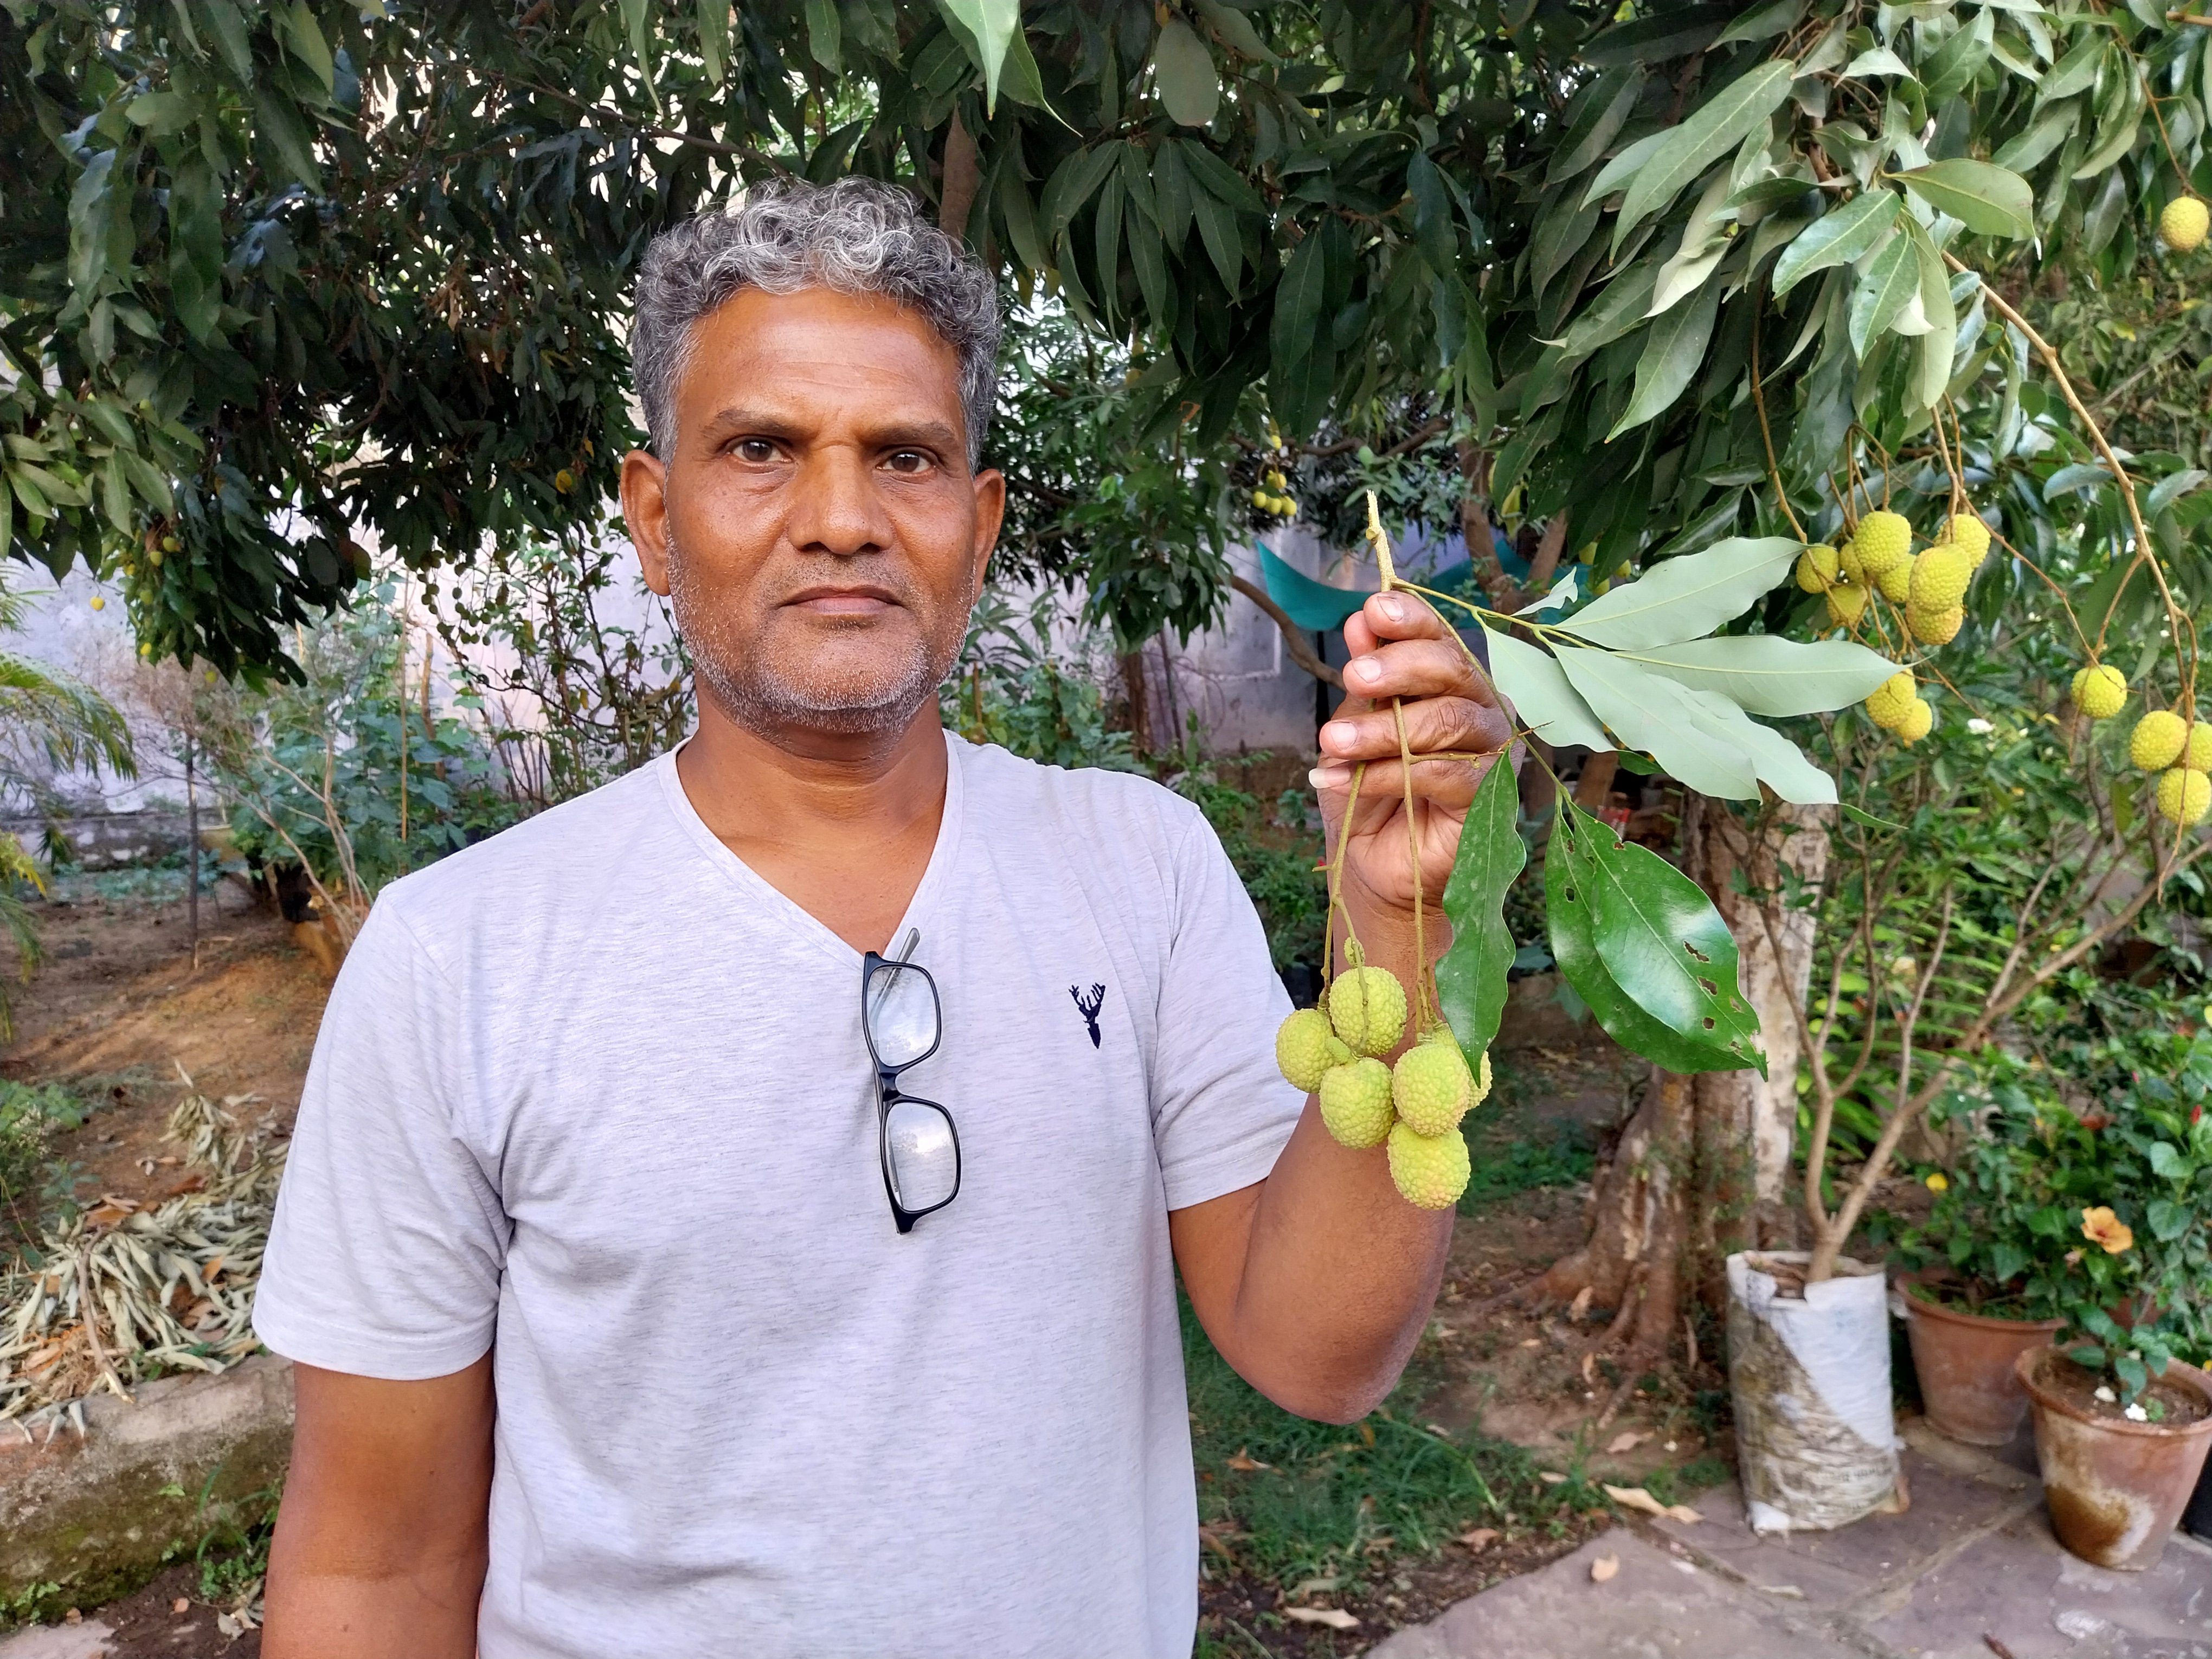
[[902, 1015], [924, 1158]]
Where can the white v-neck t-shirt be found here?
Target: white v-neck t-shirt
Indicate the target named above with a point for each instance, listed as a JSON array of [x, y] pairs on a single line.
[[593, 1097]]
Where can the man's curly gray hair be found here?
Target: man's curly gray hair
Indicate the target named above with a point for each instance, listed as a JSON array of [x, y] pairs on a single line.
[[857, 236]]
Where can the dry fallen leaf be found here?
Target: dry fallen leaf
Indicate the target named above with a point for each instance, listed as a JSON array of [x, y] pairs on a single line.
[[1635, 1497], [1480, 1538], [1245, 1463], [1313, 1587], [1580, 1305], [1334, 1618], [1684, 1513], [1590, 1368], [1551, 1478], [180, 1607], [1627, 1440], [1534, 1342], [1603, 1568]]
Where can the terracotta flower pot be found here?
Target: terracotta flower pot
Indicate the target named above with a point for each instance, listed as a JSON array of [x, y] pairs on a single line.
[[2115, 1488], [1965, 1365]]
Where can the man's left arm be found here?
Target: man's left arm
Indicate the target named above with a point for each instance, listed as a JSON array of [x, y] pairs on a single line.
[[1314, 1284]]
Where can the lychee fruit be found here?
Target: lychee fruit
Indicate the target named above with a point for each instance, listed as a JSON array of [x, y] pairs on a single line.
[[1367, 1007], [1892, 701], [2182, 224], [2184, 795], [1919, 720], [2100, 690], [1355, 1102], [1432, 1086], [2158, 740], [1431, 1170], [1305, 1048]]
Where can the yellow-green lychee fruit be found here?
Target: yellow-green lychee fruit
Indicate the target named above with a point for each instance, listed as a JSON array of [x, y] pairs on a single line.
[[1970, 535], [1355, 1102], [1817, 567], [1939, 577], [2101, 692], [1853, 566], [2183, 224], [2158, 740], [2198, 755], [1481, 1090], [1896, 582], [1304, 1043], [2184, 795], [1884, 539], [1847, 603], [1919, 720], [1367, 1007], [1892, 701], [1431, 1170], [1934, 627], [1431, 1087]]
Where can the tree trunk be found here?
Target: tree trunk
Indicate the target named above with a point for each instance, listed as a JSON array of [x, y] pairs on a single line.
[[1139, 696], [956, 194], [1700, 1169]]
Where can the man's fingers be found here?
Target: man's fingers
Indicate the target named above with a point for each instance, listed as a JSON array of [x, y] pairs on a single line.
[[1415, 668], [1433, 726], [1391, 616], [1450, 784]]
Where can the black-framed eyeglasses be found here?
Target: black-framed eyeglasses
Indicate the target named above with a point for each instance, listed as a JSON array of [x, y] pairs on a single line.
[[903, 1024]]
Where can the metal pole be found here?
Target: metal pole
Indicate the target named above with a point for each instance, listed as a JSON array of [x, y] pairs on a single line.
[[192, 850]]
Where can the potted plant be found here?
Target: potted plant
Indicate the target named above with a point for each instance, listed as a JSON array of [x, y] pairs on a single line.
[[1984, 1277], [2121, 1424]]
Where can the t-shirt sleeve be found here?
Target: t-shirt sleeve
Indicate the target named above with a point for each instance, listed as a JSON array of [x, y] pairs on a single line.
[[385, 1252], [1220, 1110]]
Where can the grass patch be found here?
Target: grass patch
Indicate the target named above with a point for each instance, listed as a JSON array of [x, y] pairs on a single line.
[[1338, 1502], [32, 1183], [1506, 1163]]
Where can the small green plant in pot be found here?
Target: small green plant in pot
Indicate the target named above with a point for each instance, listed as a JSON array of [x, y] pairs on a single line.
[[2121, 1424], [1985, 1271]]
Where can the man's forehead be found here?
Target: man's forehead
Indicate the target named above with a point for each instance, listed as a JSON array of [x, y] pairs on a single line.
[[784, 357]]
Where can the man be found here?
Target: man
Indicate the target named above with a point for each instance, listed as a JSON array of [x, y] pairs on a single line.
[[640, 1306]]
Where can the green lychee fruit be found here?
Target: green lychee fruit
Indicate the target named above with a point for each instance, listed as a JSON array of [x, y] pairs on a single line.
[[2197, 756], [2184, 795], [1847, 603], [1892, 701], [1817, 568], [1302, 1048], [1919, 720], [1367, 1007], [1431, 1087], [1355, 1102], [1883, 538], [2158, 740], [1896, 582], [1940, 576], [1935, 627], [1431, 1171], [2182, 224], [2101, 692], [1970, 535]]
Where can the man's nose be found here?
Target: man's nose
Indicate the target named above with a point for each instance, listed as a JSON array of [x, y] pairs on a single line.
[[838, 509]]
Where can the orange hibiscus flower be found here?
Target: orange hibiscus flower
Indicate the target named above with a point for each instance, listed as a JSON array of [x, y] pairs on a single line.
[[2101, 1226]]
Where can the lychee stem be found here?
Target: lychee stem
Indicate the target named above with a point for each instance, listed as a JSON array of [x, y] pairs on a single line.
[[1422, 1008]]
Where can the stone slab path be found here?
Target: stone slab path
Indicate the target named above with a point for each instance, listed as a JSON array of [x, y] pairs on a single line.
[[1971, 1570]]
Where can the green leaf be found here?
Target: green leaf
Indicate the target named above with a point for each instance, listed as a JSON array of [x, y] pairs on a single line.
[[1987, 199], [1540, 695], [1189, 85], [1624, 166], [2168, 1161], [278, 123], [1292, 335], [1571, 882], [1837, 238], [1471, 976], [1763, 23], [1145, 257], [1171, 195], [2077, 71], [1683, 598], [1719, 125], [1775, 761], [714, 38], [151, 486], [1074, 182], [1664, 944], [1596, 117], [304, 39], [1893, 279], [989, 26], [1767, 674], [1236, 31], [2025, 151], [2007, 1262], [1938, 346], [1674, 348], [1651, 713], [234, 46], [2168, 1220], [1107, 228], [1432, 220], [1952, 67], [825, 35]]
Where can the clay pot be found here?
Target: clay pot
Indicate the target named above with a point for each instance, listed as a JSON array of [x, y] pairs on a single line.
[[1965, 1361], [2115, 1488]]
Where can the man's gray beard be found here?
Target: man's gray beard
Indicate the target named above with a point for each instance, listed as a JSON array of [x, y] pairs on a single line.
[[766, 705]]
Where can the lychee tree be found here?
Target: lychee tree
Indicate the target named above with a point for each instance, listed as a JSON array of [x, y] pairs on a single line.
[[1702, 288]]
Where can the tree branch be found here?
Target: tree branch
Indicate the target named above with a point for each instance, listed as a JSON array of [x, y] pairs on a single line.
[[1294, 637]]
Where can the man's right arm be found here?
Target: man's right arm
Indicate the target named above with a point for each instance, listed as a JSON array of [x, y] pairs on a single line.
[[381, 1541]]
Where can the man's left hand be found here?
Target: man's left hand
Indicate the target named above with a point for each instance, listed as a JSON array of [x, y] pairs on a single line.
[[1401, 648]]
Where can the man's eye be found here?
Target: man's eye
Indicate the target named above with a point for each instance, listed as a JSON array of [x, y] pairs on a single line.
[[755, 449], [909, 461]]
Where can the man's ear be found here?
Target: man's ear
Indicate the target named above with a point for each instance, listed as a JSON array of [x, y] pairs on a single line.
[[645, 511], [990, 515]]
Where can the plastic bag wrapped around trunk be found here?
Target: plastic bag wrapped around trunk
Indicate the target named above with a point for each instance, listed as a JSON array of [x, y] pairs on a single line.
[[1810, 1373]]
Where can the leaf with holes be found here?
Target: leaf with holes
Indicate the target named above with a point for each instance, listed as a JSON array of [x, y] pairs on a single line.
[[1471, 977], [1665, 946], [1570, 879]]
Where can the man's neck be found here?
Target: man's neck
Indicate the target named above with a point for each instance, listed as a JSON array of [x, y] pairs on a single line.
[[841, 825]]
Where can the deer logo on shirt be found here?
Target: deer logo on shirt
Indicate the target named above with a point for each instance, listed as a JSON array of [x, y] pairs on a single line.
[[1088, 1006]]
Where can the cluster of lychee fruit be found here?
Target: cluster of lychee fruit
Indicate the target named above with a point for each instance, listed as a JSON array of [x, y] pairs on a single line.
[[2178, 751], [1930, 586], [1414, 1106], [1272, 495]]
